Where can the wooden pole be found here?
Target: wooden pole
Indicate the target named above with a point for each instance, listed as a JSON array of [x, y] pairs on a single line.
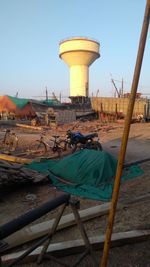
[[122, 152]]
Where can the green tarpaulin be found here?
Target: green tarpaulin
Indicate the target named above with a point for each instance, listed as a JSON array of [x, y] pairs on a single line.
[[86, 173], [51, 102], [19, 102]]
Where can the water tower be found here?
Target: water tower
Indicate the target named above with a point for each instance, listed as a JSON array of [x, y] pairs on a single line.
[[79, 53]]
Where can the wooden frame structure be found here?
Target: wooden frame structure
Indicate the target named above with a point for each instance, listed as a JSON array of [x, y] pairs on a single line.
[[13, 226]]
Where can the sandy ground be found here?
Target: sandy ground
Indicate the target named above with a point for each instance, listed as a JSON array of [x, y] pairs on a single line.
[[136, 216]]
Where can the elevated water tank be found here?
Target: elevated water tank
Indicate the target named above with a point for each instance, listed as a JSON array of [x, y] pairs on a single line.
[[79, 53]]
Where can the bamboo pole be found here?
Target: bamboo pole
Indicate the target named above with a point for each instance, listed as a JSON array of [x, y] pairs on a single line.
[[122, 152]]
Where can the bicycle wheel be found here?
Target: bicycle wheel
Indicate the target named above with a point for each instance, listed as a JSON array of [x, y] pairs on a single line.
[[63, 145], [71, 147], [3, 146], [94, 145], [10, 143], [38, 148], [98, 146], [22, 149], [13, 142]]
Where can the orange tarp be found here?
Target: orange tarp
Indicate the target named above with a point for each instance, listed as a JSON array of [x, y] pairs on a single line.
[[6, 105]]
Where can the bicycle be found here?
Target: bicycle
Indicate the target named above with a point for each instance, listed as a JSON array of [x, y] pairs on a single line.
[[41, 147], [9, 142]]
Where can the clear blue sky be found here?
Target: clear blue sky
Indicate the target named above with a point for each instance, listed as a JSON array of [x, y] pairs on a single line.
[[30, 32]]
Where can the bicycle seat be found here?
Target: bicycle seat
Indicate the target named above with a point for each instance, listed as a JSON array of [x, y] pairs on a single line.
[[56, 136]]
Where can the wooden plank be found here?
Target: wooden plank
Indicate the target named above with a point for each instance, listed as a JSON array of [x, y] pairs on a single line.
[[29, 126], [77, 246], [39, 230], [128, 164], [142, 198], [15, 159]]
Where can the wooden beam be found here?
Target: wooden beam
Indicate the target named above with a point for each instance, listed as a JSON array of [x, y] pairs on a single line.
[[29, 126], [128, 164], [77, 246], [41, 229], [15, 159]]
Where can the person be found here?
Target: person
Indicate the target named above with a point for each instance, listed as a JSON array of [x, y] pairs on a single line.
[[47, 119], [38, 121], [5, 118]]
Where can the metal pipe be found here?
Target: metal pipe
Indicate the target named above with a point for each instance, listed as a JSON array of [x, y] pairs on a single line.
[[16, 224], [126, 134]]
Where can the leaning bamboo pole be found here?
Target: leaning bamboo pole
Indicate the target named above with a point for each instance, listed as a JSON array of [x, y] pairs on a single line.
[[122, 152]]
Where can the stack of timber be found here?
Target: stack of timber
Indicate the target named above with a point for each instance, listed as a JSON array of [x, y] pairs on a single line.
[[33, 232], [77, 246], [70, 247], [39, 230], [14, 173]]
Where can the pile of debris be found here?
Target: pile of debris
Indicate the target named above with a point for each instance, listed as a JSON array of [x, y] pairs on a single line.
[[14, 173]]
